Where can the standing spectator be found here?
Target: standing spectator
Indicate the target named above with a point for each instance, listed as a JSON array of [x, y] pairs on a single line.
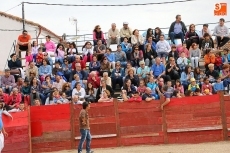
[[99, 49], [59, 53], [177, 29], [173, 53], [191, 36], [203, 31], [35, 49], [209, 58], [195, 55], [7, 82], [110, 57], [87, 52], [158, 70], [120, 56], [125, 32], [94, 65], [163, 48], [222, 33], [113, 35], [23, 43], [44, 70], [172, 69], [137, 39], [149, 55], [126, 47], [136, 56], [182, 61], [117, 75], [105, 66], [98, 35], [49, 45]]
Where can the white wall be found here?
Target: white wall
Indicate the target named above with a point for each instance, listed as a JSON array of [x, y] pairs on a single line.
[[7, 37]]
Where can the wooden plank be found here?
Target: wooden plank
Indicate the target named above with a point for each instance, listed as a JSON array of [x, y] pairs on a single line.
[[195, 129], [99, 136], [129, 130], [141, 135], [223, 115]]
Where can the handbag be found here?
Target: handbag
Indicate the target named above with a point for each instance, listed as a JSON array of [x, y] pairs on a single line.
[[15, 71]]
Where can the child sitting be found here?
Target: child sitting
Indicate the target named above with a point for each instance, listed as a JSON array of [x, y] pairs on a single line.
[[153, 86], [197, 92], [39, 57], [173, 53], [218, 61], [226, 56], [135, 97], [57, 99], [167, 96], [206, 43], [206, 87], [170, 88], [193, 85], [199, 76], [184, 49], [182, 61], [25, 91], [178, 86], [218, 86], [29, 58], [141, 89], [176, 94]]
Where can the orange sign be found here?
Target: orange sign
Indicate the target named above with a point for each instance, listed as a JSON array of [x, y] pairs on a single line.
[[220, 9]]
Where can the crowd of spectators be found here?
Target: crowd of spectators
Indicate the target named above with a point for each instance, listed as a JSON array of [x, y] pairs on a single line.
[[141, 68]]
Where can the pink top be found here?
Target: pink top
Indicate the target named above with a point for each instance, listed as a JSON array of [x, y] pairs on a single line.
[[181, 89], [50, 46], [102, 36], [141, 89], [61, 53], [29, 58], [181, 49]]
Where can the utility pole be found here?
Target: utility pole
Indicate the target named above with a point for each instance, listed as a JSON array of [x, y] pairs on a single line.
[[23, 16]]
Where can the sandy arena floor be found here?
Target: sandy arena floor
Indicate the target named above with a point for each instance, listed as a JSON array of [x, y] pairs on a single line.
[[217, 147]]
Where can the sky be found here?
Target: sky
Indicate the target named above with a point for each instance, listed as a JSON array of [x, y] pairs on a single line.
[[56, 18]]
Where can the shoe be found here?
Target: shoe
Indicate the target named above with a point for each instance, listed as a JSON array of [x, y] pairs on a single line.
[[90, 151]]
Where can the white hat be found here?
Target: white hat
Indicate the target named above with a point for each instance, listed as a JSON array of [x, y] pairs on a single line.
[[125, 23]]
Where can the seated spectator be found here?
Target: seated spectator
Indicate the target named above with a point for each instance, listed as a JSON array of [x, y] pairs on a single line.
[[49, 46], [113, 35], [15, 65], [77, 79], [206, 88], [20, 108], [46, 88], [59, 53], [158, 70], [44, 70], [143, 71], [87, 52], [36, 102], [48, 58], [151, 42], [195, 55], [173, 53], [78, 60], [153, 86], [191, 36], [160, 83], [167, 96], [7, 82], [177, 29], [135, 97], [170, 88], [126, 47], [76, 100], [57, 99], [149, 55], [67, 90], [35, 90], [136, 56], [106, 97], [176, 94], [183, 48], [57, 68], [66, 67], [149, 33], [99, 50], [3, 97], [59, 82], [29, 58], [94, 79], [23, 42], [98, 35], [179, 87], [193, 85], [94, 65], [172, 69], [107, 79], [31, 69], [163, 48], [78, 90], [19, 84], [105, 66], [120, 56], [142, 88], [157, 34], [197, 92], [209, 58], [218, 61], [218, 86], [211, 73], [34, 51], [222, 33], [128, 88], [72, 52], [117, 75], [226, 56], [110, 57], [39, 57], [190, 93], [125, 32], [202, 33], [90, 93], [137, 40], [102, 88], [25, 92], [147, 96], [14, 99], [129, 67], [81, 73], [186, 76], [182, 61], [206, 43], [134, 78]]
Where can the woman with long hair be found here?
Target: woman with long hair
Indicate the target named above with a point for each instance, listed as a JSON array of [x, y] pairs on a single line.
[[87, 52], [35, 90], [149, 33], [98, 35], [106, 97], [66, 88], [137, 39], [149, 55], [191, 36], [157, 33], [195, 55], [72, 51], [136, 56], [59, 53]]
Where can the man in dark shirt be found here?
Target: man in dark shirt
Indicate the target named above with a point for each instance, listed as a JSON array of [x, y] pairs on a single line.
[[84, 128], [147, 96]]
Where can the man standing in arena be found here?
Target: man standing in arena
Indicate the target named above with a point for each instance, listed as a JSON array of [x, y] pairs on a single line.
[[84, 128]]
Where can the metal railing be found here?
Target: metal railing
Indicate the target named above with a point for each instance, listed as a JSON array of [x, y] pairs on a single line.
[[12, 50]]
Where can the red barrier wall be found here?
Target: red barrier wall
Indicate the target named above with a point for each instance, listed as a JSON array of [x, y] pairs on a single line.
[[50, 128], [18, 140]]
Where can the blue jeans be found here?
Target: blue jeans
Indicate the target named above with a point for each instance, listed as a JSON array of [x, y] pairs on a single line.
[[180, 35], [7, 90], [85, 135]]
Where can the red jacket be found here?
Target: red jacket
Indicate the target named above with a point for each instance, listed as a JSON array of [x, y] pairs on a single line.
[[15, 99], [5, 97], [95, 84], [83, 65], [132, 99], [218, 61]]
